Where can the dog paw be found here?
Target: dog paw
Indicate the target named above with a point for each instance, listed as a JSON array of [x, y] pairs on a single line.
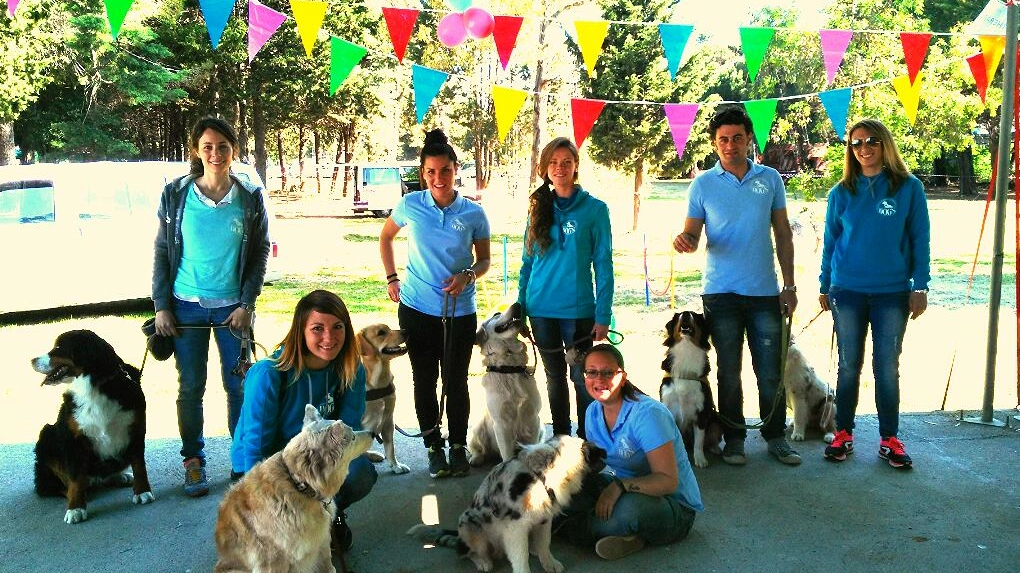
[[399, 468], [829, 436], [476, 460], [143, 498], [700, 460], [76, 515], [553, 566], [374, 457], [797, 436]]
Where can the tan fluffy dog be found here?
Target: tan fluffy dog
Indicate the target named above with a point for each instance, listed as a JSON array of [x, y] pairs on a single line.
[[511, 393], [277, 518], [380, 344], [813, 402]]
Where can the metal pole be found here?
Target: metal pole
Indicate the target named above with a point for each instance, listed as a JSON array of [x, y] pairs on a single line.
[[1001, 180]]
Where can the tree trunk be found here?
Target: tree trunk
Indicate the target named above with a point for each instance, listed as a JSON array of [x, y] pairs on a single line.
[[337, 160], [241, 109], [639, 179], [317, 148], [968, 183], [301, 158], [7, 144], [258, 125], [536, 120], [283, 162]]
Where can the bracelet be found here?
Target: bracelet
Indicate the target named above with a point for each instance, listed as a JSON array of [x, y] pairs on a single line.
[[392, 280], [921, 290], [618, 481], [393, 276], [470, 272], [248, 307]]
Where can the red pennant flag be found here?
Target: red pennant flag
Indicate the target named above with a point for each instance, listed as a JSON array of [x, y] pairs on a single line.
[[400, 23], [584, 112], [915, 48], [504, 34], [980, 71]]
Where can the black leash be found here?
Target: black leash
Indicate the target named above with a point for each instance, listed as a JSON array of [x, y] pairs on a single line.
[[576, 358], [447, 344], [244, 359]]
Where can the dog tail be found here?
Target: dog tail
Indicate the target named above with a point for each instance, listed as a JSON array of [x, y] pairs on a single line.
[[435, 535]]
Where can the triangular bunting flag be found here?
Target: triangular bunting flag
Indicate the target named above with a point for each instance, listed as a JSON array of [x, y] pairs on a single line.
[[909, 93], [584, 113], [504, 34], [590, 36], [12, 5], [508, 103], [915, 48], [427, 83], [216, 14], [674, 40], [343, 56], [837, 104], [834, 44], [680, 117], [992, 48], [263, 22], [400, 23], [755, 42], [309, 15], [762, 113], [116, 10], [980, 73]]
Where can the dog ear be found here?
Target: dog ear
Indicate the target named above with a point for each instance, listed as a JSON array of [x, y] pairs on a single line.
[[366, 348], [311, 415], [671, 329], [481, 336]]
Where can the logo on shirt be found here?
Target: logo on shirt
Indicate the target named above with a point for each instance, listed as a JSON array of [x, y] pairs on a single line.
[[458, 224], [887, 207], [327, 406], [759, 187], [624, 449], [237, 226], [569, 227]]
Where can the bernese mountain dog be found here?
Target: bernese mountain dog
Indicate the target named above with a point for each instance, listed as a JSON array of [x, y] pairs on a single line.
[[685, 390], [100, 429]]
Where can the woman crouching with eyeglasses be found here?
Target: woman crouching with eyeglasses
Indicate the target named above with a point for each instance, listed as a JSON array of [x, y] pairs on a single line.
[[647, 495]]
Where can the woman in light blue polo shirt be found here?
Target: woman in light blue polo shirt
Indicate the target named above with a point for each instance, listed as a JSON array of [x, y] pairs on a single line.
[[447, 250]]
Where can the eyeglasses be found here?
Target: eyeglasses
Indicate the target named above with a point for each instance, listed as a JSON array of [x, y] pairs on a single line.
[[603, 374], [870, 141]]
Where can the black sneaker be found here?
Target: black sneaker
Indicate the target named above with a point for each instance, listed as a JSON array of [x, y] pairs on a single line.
[[438, 467], [341, 538], [458, 461]]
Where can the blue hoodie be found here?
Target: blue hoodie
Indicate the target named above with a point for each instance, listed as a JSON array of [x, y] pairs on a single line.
[[874, 242], [274, 407], [557, 283]]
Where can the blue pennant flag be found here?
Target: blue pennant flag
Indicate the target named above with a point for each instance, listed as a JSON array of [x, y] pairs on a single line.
[[216, 14], [837, 103], [427, 83], [674, 40]]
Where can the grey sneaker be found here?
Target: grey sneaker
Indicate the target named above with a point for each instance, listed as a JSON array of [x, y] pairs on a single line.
[[458, 461], [733, 452], [780, 448], [617, 546], [195, 482], [437, 463]]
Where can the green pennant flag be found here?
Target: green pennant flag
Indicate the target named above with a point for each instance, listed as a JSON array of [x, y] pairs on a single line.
[[762, 113], [343, 56], [755, 42], [116, 10]]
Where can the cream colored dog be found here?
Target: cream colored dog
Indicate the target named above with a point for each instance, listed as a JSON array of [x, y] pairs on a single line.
[[812, 401], [380, 344], [511, 393], [277, 518]]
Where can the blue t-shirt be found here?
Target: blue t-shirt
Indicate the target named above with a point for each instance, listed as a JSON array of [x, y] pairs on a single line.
[[440, 244], [210, 250], [642, 426], [738, 228]]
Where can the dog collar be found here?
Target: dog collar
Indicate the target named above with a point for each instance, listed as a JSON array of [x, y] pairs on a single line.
[[377, 393], [507, 369], [304, 488]]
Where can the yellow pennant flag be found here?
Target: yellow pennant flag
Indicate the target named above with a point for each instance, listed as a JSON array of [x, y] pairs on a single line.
[[309, 15], [992, 48], [508, 103], [909, 93], [590, 36]]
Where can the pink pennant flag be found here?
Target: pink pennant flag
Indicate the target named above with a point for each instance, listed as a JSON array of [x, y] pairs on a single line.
[[400, 23], [980, 71], [834, 44], [12, 5], [915, 48], [263, 22], [680, 117], [584, 113], [504, 34]]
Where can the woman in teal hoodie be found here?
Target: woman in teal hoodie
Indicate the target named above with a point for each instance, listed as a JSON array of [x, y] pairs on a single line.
[[568, 246], [875, 271], [318, 363]]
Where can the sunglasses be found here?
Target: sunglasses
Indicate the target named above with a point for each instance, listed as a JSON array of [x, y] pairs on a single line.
[[870, 141], [603, 374]]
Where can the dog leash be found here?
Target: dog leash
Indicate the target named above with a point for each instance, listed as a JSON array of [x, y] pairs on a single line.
[[244, 359], [447, 317], [573, 357]]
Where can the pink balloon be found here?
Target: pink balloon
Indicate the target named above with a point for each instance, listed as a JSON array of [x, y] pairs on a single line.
[[478, 22], [451, 30]]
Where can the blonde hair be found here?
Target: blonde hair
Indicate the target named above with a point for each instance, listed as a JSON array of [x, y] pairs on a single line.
[[892, 162], [294, 352]]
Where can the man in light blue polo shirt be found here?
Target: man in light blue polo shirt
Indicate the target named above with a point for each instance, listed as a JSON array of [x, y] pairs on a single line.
[[741, 205]]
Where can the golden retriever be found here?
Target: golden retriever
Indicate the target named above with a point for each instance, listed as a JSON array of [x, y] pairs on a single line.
[[380, 344]]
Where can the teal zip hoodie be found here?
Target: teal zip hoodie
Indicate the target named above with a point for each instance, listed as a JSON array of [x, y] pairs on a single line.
[[874, 242], [557, 283]]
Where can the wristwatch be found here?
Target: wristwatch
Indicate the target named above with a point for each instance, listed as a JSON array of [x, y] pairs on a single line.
[[249, 307], [470, 274], [791, 288]]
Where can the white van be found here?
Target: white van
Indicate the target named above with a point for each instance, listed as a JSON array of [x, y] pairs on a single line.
[[378, 187], [82, 233]]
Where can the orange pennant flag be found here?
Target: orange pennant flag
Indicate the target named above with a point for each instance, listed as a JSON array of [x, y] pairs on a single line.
[[992, 48], [980, 73]]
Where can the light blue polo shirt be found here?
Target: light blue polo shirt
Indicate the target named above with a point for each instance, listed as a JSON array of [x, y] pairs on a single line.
[[641, 427], [440, 243], [738, 228], [211, 247]]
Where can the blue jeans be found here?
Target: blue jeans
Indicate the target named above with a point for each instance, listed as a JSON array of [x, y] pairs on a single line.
[[729, 317], [191, 353], [552, 335], [361, 478], [887, 314], [658, 520]]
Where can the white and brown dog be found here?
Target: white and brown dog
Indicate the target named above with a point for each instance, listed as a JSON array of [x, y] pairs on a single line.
[[685, 390], [380, 344], [812, 400], [511, 393]]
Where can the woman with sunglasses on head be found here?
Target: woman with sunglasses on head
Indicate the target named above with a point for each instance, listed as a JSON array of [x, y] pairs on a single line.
[[648, 493], [875, 272]]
